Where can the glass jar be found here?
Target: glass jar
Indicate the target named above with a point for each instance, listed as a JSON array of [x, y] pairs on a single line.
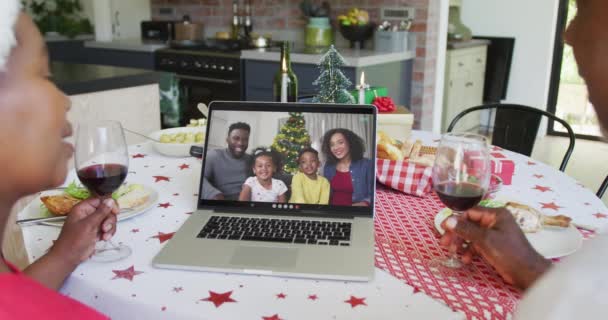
[[318, 32]]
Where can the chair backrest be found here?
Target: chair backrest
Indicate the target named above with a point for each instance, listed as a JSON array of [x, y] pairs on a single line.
[[602, 189], [516, 127]]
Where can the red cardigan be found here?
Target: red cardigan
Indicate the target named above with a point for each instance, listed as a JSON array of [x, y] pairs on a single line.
[[24, 298]]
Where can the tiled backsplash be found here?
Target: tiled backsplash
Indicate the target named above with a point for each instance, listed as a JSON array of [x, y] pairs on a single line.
[[285, 15]]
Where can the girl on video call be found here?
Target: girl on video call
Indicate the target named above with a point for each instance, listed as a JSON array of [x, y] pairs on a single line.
[[262, 187]]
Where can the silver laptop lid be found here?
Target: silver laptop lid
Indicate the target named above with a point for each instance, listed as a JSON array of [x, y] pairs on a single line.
[[289, 158]]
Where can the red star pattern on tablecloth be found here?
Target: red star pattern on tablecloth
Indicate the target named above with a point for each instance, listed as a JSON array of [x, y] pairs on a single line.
[[600, 215], [354, 301], [416, 290], [539, 176], [542, 189], [162, 237], [139, 155], [219, 298], [165, 205], [273, 317], [281, 296], [128, 273], [184, 166], [495, 148], [161, 178], [178, 289], [312, 297], [550, 205]]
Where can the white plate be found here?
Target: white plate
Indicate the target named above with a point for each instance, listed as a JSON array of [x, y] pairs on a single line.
[[176, 149], [549, 242], [33, 209]]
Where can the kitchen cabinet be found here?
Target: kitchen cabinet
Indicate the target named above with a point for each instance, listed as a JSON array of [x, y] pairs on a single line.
[[396, 76], [464, 84]]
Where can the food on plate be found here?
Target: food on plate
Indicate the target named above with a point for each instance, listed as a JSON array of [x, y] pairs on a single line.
[[127, 196], [182, 137], [59, 205], [531, 220], [396, 150], [197, 123]]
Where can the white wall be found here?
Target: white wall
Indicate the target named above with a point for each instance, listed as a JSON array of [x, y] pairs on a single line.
[[532, 24]]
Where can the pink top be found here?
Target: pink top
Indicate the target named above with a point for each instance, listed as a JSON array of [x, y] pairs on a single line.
[[341, 189], [24, 298]]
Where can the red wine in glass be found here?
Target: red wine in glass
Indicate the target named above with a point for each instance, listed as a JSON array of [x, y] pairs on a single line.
[[459, 196], [103, 179], [102, 162], [461, 175]]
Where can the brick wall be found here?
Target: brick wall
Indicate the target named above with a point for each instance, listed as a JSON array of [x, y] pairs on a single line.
[[286, 15]]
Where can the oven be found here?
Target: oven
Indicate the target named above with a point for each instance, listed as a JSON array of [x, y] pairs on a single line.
[[202, 77]]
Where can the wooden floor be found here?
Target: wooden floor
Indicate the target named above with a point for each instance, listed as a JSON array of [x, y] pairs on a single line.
[[588, 164]]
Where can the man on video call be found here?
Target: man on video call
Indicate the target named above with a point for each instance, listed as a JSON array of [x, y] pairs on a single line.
[[226, 169]]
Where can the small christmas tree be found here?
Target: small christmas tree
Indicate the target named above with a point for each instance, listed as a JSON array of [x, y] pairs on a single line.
[[332, 83], [292, 137]]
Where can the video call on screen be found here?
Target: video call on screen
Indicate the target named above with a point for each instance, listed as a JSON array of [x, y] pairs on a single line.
[[299, 158]]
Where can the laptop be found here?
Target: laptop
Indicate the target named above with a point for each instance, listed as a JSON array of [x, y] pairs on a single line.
[[256, 215]]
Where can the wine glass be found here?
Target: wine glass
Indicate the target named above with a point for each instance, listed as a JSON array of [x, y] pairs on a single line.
[[102, 163], [461, 175]]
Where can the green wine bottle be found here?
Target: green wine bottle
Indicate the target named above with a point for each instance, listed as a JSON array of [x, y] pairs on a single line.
[[285, 84]]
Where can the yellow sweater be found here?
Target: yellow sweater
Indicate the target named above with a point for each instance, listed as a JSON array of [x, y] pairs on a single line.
[[307, 191]]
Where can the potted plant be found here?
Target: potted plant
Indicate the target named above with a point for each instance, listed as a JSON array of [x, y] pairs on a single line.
[[318, 32], [59, 17]]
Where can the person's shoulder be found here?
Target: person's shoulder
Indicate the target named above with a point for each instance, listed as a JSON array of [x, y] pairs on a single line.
[[297, 177], [250, 181], [214, 154], [322, 179]]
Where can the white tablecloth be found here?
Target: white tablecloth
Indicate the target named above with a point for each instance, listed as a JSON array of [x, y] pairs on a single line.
[[133, 289]]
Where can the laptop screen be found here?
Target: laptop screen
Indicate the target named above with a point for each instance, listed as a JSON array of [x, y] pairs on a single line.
[[300, 158]]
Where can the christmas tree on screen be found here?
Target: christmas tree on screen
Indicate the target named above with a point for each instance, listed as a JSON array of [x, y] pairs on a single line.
[[292, 137], [332, 83]]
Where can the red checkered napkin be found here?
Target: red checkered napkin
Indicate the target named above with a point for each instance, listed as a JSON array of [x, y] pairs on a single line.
[[404, 176]]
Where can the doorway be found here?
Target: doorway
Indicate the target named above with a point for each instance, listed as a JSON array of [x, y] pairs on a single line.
[[568, 95]]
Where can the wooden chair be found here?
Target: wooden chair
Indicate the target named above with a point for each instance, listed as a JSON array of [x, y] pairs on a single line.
[[516, 127]]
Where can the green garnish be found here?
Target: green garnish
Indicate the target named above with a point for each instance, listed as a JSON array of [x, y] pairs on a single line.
[[77, 191]]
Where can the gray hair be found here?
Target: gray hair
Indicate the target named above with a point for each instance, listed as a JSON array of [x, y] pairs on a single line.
[[9, 12]]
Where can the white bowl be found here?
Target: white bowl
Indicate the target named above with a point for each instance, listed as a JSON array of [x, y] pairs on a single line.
[[176, 149]]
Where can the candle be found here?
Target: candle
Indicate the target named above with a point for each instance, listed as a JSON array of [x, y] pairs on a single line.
[[362, 87]]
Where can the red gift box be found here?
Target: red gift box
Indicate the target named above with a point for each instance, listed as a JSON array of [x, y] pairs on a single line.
[[499, 165], [502, 167], [404, 176]]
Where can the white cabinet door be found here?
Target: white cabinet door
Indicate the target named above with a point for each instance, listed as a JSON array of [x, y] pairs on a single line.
[[455, 98]]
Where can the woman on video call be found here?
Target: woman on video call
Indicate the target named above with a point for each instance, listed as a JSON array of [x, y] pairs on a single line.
[[349, 173]]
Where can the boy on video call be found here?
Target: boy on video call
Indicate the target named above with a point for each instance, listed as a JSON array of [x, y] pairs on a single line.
[[307, 187]]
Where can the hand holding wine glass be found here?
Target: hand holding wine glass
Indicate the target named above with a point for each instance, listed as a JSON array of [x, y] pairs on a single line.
[[102, 163], [461, 174]]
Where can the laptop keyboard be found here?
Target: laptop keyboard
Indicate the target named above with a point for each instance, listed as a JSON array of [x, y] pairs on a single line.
[[277, 230]]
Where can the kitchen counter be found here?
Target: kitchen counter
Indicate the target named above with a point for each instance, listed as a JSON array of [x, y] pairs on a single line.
[[353, 58], [468, 44], [127, 45], [75, 78]]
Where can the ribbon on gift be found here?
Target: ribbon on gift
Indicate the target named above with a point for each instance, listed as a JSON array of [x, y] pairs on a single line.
[[404, 176]]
